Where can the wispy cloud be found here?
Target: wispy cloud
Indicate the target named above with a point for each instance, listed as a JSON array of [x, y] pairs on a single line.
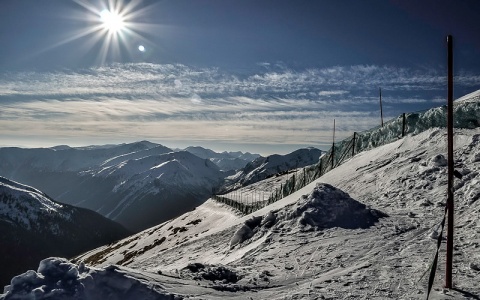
[[331, 93], [177, 102], [134, 80]]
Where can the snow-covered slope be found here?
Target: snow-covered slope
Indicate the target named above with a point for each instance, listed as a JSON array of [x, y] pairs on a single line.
[[474, 96], [299, 248], [226, 161], [365, 230], [33, 226], [156, 150], [174, 168], [264, 167]]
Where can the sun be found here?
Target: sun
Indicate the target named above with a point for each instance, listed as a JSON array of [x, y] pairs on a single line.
[[112, 21], [117, 29]]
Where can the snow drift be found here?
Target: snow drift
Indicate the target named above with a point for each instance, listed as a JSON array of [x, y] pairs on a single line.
[[325, 207], [57, 278]]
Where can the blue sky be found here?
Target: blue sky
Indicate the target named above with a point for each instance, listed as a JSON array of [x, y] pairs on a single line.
[[259, 76]]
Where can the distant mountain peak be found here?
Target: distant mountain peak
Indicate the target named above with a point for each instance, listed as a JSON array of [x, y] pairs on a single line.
[[264, 167], [60, 147], [226, 161], [25, 205]]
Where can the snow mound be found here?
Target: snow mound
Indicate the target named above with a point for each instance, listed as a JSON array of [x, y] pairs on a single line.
[[325, 207], [328, 207], [58, 278]]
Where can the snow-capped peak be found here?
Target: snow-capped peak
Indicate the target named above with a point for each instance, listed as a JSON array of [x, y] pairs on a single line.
[[25, 205], [472, 96]]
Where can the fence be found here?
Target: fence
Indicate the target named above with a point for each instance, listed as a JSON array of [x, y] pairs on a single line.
[[467, 115]]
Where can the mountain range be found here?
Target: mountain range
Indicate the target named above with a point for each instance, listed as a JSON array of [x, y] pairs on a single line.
[[140, 184]]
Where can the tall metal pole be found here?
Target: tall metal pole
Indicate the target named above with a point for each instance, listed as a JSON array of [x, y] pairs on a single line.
[[353, 143], [333, 145], [381, 107], [450, 206], [333, 131]]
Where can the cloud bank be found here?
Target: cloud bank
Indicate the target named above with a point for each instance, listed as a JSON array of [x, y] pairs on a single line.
[[163, 103]]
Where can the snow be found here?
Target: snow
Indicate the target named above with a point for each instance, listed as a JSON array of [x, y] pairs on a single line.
[[294, 253], [23, 205], [158, 150], [147, 174], [365, 230], [57, 278], [299, 248], [204, 220], [474, 96], [295, 248], [174, 167], [325, 207]]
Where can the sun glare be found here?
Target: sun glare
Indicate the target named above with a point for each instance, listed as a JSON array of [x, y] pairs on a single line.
[[116, 25], [112, 21]]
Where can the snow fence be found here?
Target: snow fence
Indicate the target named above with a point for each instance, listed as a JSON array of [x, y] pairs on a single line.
[[466, 115]]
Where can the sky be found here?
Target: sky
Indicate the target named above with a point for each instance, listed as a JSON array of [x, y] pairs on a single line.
[[265, 76]]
